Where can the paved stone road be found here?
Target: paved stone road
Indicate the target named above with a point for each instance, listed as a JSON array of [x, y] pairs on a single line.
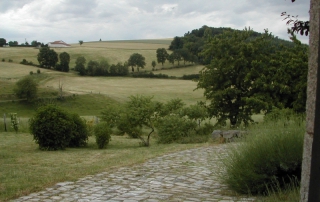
[[183, 176]]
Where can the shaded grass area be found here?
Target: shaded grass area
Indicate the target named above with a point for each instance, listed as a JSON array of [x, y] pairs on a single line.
[[84, 105], [25, 169]]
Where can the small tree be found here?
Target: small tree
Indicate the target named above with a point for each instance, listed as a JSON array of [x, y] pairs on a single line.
[[26, 88], [80, 65], [140, 112], [64, 61], [80, 42], [14, 122], [162, 55], [102, 132], [136, 59], [47, 57], [153, 64], [171, 58]]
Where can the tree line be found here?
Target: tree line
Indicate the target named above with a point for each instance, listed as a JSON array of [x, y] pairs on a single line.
[[34, 43]]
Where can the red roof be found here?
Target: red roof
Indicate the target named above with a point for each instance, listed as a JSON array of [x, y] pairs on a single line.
[[60, 42]]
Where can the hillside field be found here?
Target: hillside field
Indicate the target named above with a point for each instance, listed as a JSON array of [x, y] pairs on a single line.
[[115, 88], [112, 51]]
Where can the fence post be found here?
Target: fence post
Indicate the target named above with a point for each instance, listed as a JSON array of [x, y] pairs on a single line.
[[4, 121]]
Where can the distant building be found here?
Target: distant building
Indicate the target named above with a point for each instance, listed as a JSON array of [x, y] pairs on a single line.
[[58, 44]]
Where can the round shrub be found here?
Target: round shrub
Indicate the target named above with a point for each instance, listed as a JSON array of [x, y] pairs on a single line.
[[102, 131], [269, 158], [79, 133], [173, 128], [51, 128]]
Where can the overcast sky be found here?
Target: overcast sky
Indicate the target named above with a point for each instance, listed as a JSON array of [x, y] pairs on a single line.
[[90, 20]]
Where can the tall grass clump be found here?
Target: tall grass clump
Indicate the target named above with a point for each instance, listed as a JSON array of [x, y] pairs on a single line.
[[268, 158]]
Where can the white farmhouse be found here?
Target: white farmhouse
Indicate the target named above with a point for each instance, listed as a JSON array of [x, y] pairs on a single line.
[[58, 44]]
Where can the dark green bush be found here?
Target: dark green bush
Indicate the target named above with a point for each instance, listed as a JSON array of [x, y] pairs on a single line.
[[173, 128], [79, 133], [10, 60], [3, 60], [102, 132], [190, 77], [31, 72], [24, 62], [38, 71], [268, 158], [51, 128]]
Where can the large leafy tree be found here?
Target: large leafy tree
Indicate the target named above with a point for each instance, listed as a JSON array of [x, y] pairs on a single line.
[[136, 60], [162, 55], [248, 75], [47, 57]]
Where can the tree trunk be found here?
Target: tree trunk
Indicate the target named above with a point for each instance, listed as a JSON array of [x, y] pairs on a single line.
[[309, 155]]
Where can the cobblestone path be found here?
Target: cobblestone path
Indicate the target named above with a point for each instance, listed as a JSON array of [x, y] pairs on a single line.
[[182, 176]]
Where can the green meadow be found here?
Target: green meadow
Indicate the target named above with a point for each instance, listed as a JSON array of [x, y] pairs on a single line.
[[25, 169]]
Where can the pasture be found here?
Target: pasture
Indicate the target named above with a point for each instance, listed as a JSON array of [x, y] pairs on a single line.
[[26, 169], [112, 51]]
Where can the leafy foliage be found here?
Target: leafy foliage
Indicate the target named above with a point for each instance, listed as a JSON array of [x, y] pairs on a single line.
[[64, 62], [47, 57], [136, 60], [249, 74], [2, 42], [51, 128], [173, 128], [162, 55], [79, 133], [54, 129], [80, 65], [26, 88], [102, 133], [14, 122]]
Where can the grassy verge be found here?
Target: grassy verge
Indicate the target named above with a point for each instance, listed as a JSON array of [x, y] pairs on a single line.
[[25, 169]]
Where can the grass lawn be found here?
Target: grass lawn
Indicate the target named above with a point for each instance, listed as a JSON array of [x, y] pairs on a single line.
[[25, 169]]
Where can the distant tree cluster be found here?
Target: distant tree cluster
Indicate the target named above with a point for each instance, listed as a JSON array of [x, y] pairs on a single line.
[[102, 68], [48, 59], [34, 43], [190, 46]]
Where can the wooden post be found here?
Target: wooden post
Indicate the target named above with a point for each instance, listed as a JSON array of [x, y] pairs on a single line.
[[4, 121]]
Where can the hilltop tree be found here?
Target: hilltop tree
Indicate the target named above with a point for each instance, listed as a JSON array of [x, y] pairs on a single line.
[[162, 55], [177, 43], [80, 42], [47, 57], [138, 60], [2, 42]]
